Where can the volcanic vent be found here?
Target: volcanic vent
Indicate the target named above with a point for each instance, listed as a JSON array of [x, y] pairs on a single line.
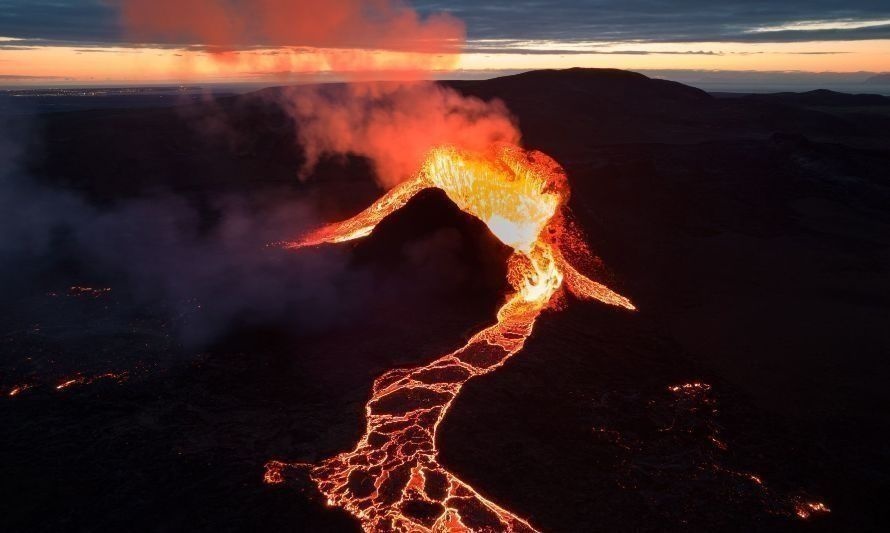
[[392, 480]]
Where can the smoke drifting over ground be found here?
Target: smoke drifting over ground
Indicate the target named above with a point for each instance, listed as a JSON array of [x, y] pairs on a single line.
[[161, 249], [207, 265]]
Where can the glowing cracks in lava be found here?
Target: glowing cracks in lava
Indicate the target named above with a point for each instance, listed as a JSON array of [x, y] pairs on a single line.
[[67, 383], [699, 394], [273, 475], [688, 388], [88, 291], [18, 389], [805, 510], [86, 380], [392, 480]]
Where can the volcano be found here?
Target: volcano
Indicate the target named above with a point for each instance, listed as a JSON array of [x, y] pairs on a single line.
[[520, 197], [743, 394]]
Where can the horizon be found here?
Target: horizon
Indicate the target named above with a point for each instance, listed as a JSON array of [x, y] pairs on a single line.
[[716, 81], [94, 43]]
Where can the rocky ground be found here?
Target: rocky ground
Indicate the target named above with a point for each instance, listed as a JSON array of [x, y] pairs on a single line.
[[752, 233]]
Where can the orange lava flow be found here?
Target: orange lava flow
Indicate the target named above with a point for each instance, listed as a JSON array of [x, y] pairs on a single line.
[[18, 389], [805, 510], [86, 380], [392, 480]]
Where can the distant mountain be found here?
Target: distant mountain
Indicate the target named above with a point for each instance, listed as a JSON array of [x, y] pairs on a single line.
[[823, 97], [603, 83], [880, 79], [566, 111], [247, 140]]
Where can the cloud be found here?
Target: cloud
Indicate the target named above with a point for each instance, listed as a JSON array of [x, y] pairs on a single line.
[[80, 21], [666, 20], [525, 48], [98, 21], [18, 77], [104, 51], [826, 53]]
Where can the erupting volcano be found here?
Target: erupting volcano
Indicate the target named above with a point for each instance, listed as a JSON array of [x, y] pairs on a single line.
[[392, 480]]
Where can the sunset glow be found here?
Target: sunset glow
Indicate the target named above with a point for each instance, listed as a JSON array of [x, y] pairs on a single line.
[[278, 41], [71, 65]]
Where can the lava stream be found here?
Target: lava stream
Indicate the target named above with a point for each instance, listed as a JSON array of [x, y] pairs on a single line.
[[392, 480]]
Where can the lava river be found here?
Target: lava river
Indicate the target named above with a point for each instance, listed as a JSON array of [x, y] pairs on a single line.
[[392, 480]]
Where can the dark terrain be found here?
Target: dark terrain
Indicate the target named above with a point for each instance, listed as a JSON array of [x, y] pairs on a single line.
[[752, 232]]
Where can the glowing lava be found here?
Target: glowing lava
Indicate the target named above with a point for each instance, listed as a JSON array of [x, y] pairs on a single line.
[[807, 509], [391, 480], [18, 389], [87, 380]]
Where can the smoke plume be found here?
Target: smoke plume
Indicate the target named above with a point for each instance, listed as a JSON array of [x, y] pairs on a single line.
[[225, 27], [393, 124]]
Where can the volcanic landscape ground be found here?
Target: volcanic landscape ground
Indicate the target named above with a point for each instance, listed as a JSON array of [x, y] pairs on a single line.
[[751, 232]]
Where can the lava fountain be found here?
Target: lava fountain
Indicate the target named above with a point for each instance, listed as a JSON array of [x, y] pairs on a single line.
[[392, 480]]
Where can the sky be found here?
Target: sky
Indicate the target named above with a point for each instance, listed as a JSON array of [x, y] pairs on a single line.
[[184, 41]]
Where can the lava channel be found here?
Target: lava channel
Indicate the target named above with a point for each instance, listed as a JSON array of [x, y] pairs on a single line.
[[392, 480]]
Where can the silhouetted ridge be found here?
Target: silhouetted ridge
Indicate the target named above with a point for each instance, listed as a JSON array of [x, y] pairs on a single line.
[[249, 141], [579, 73], [880, 79], [823, 97], [600, 82]]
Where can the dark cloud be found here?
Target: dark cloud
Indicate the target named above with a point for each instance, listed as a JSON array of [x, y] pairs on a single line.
[[662, 20], [519, 49], [75, 21], [96, 22]]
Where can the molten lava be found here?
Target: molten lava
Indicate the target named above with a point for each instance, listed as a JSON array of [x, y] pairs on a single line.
[[392, 480], [87, 380]]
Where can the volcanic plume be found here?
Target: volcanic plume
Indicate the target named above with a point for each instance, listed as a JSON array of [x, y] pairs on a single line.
[[393, 123], [353, 37], [392, 480]]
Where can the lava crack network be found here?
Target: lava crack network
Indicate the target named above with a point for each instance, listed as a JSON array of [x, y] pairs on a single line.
[[392, 480]]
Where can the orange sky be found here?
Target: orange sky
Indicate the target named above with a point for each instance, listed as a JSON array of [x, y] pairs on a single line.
[[161, 65]]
